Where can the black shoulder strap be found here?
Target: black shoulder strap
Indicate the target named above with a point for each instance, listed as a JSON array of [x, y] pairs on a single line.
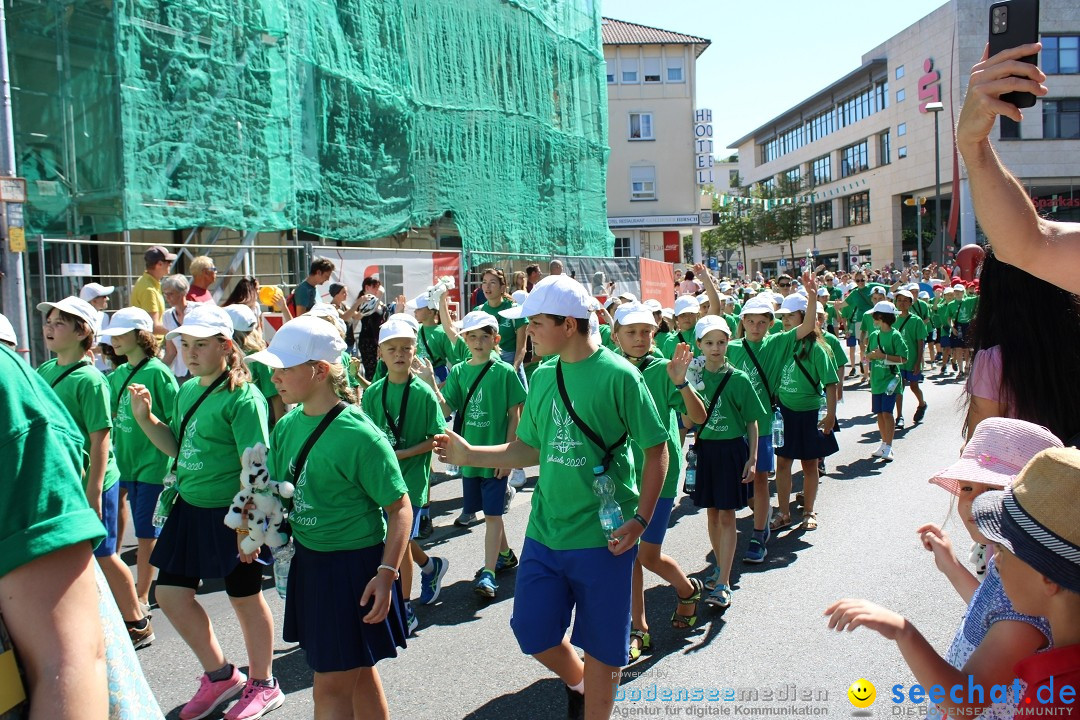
[[301, 459], [459, 418], [427, 348], [880, 347], [809, 379], [760, 371], [136, 369], [396, 427], [191, 411], [67, 372], [904, 324], [589, 433], [716, 395]]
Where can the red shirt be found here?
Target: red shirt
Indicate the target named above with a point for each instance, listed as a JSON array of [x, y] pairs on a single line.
[[1050, 672], [199, 295]]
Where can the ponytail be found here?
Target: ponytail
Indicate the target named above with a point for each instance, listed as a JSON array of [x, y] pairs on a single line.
[[236, 367]]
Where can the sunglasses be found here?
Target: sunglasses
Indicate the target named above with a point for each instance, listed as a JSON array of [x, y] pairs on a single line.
[[783, 285]]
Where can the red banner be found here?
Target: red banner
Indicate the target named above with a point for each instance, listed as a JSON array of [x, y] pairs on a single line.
[[657, 280], [444, 264], [672, 246]]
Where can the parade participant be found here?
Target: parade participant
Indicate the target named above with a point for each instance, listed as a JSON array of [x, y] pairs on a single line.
[[726, 445], [574, 561], [432, 342], [672, 395], [808, 383], [219, 414], [853, 307], [487, 396], [866, 327], [343, 603], [687, 311], [943, 307], [142, 466], [249, 339], [992, 636], [933, 331], [511, 331], [836, 351], [913, 330], [965, 311], [408, 411], [888, 351], [84, 391]]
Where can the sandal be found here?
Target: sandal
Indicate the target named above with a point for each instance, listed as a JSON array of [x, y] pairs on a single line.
[[646, 644], [720, 597], [712, 578], [810, 521], [685, 622], [780, 521]]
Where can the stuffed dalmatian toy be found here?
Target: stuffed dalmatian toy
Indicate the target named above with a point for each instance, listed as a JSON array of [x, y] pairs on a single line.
[[264, 496], [694, 373]]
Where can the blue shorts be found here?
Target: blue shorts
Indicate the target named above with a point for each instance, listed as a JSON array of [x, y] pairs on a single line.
[[911, 377], [143, 498], [110, 513], [766, 455], [658, 525], [441, 373], [592, 584], [882, 403], [852, 341], [487, 494], [946, 340]]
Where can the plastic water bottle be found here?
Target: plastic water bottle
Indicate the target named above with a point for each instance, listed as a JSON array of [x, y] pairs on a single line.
[[611, 517], [691, 470], [282, 562], [778, 429], [823, 409], [164, 502], [890, 389], [452, 470]]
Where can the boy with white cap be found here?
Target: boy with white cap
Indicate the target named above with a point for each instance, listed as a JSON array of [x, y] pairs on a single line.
[[432, 342], [942, 310], [913, 329], [572, 559], [687, 312], [408, 411], [968, 302], [887, 351]]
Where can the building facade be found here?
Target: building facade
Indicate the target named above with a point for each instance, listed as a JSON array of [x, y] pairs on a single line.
[[865, 144], [661, 145]]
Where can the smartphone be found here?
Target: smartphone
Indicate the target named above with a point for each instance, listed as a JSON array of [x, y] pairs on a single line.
[[1014, 23]]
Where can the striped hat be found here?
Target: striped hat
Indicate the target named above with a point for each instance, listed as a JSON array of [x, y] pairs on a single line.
[[996, 453]]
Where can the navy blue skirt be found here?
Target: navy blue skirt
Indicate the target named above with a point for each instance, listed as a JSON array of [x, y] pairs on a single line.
[[195, 543], [324, 615], [719, 474], [802, 438]]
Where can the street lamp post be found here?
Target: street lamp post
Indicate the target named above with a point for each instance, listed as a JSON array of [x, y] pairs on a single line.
[[936, 108]]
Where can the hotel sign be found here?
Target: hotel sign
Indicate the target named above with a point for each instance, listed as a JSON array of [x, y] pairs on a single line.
[[703, 147], [653, 221]]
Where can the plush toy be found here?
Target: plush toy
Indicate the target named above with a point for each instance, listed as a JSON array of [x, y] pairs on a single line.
[[694, 373], [436, 291], [259, 500]]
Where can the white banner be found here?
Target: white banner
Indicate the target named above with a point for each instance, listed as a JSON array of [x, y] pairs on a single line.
[[400, 272]]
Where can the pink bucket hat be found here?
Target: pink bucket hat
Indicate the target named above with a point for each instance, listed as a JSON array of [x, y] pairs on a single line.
[[997, 451]]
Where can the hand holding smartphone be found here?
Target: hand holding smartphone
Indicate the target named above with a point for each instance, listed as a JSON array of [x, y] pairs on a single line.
[[1014, 23]]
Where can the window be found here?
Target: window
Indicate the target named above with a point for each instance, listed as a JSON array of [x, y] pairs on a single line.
[[609, 68], [629, 72], [1010, 129], [675, 70], [884, 154], [822, 170], [1061, 118], [899, 72], [643, 183], [622, 247], [900, 95], [901, 129], [823, 216], [846, 112], [794, 175], [854, 159], [901, 152], [652, 69], [641, 126], [1061, 55], [732, 178], [857, 208]]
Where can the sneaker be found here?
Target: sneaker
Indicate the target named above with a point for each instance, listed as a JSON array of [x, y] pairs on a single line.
[[508, 498], [887, 454], [256, 700], [575, 704], [484, 585], [141, 638], [145, 606], [431, 582], [880, 452], [900, 423], [517, 478], [852, 373], [821, 470], [920, 413], [426, 528], [411, 623], [720, 597], [506, 562], [768, 530], [712, 579], [756, 552], [466, 519], [211, 694]]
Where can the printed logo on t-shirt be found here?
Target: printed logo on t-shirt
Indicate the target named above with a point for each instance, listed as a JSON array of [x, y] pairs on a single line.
[[563, 423], [714, 423], [298, 515], [747, 367], [787, 380], [476, 413], [124, 421], [188, 451]]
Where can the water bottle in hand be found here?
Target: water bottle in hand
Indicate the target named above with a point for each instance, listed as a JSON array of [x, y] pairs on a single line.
[[890, 389], [778, 429], [823, 409], [611, 517], [691, 471], [282, 562]]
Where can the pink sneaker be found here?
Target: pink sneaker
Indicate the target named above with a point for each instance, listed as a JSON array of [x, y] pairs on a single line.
[[256, 701], [211, 694]]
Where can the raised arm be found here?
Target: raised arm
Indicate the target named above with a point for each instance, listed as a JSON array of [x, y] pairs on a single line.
[[809, 323], [710, 288]]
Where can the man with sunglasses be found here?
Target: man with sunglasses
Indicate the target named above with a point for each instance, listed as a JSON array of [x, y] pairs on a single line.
[[783, 285]]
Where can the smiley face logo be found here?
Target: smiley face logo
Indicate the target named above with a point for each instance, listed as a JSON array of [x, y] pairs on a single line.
[[862, 693]]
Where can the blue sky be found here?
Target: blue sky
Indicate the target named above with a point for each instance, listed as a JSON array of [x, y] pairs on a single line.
[[767, 55]]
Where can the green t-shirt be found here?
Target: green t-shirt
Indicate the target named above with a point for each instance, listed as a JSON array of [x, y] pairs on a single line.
[[735, 408], [136, 457], [606, 338], [777, 327], [891, 343], [610, 397], [422, 419], [839, 352], [687, 336], [940, 313], [507, 327], [866, 324], [921, 308], [967, 309], [669, 403], [433, 344], [224, 426], [350, 475], [796, 392], [771, 354], [858, 301], [732, 323], [44, 504], [261, 377], [913, 330], [85, 394], [486, 419], [952, 313]]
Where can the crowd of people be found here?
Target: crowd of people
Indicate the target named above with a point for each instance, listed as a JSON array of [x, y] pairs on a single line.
[[622, 403]]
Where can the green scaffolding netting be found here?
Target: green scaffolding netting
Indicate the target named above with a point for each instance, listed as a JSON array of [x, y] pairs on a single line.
[[352, 120]]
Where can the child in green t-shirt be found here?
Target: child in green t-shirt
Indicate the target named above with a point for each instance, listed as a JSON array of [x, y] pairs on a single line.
[[248, 337], [887, 351], [913, 329]]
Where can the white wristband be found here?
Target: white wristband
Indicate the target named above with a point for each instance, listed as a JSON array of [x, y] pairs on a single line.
[[391, 568]]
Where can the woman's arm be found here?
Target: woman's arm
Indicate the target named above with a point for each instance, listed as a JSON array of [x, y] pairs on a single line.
[[710, 288]]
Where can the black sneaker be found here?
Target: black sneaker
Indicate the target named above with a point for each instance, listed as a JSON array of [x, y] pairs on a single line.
[[575, 704], [821, 468], [920, 413], [426, 528], [900, 423]]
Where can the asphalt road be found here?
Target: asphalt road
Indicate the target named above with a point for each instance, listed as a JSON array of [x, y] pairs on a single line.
[[464, 662]]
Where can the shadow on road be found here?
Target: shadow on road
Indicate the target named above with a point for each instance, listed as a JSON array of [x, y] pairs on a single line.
[[543, 700]]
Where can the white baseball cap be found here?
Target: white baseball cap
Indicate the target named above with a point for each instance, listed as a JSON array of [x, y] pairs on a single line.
[[420, 301], [519, 296], [611, 301], [668, 313], [301, 340], [243, 319], [725, 286], [885, 307], [687, 304], [904, 293], [477, 320], [757, 306], [394, 329], [822, 292], [877, 290], [554, 295], [702, 298], [959, 288], [7, 332], [709, 323], [91, 291], [634, 314], [73, 306], [127, 320], [629, 297], [326, 311], [912, 286], [407, 319], [204, 321], [923, 295], [793, 303], [653, 305]]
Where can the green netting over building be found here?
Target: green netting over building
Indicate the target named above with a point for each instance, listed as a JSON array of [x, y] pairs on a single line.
[[352, 120]]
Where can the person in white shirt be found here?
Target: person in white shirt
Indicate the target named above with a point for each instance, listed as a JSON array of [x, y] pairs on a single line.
[[98, 295]]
